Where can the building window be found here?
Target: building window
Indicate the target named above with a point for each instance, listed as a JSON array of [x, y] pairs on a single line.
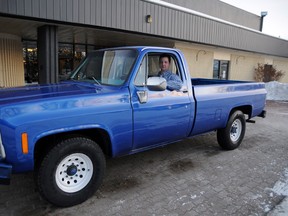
[[220, 69], [30, 61], [69, 56], [65, 55]]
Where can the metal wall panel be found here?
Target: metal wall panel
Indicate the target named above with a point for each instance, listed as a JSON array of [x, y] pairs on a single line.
[[129, 15], [221, 10]]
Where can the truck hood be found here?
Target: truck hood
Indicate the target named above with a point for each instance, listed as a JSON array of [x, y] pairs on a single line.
[[23, 105], [34, 92]]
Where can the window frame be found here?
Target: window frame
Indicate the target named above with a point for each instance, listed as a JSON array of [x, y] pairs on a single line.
[[219, 71]]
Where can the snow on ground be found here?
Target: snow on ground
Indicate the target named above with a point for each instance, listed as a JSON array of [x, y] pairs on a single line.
[[277, 90], [281, 186]]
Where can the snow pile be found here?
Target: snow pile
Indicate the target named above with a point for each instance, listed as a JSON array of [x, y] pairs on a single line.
[[277, 91]]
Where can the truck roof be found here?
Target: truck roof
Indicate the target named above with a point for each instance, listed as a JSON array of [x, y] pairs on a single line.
[[141, 48]]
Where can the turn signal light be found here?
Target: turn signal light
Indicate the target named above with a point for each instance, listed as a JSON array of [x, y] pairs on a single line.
[[24, 143]]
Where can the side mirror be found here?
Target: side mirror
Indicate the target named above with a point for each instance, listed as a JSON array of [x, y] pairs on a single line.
[[156, 83]]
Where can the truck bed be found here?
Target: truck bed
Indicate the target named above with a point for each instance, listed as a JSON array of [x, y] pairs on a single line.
[[215, 99]]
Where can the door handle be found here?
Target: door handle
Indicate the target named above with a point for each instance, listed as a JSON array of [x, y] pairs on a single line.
[[184, 89]]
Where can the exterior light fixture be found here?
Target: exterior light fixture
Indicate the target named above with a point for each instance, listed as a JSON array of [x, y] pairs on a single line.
[[263, 14], [149, 19]]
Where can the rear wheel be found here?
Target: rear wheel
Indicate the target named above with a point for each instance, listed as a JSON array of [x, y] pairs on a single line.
[[71, 171], [231, 136]]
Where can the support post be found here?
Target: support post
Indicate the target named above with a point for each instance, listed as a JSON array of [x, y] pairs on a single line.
[[47, 50]]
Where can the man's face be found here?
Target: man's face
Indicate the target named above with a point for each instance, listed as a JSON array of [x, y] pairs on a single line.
[[164, 63]]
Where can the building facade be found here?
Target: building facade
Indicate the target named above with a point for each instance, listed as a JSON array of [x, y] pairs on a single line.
[[43, 40]]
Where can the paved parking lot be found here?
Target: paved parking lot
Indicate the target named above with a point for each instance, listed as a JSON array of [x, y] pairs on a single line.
[[192, 177]]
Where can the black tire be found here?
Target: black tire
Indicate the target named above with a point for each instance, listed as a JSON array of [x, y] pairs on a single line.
[[64, 177], [231, 136]]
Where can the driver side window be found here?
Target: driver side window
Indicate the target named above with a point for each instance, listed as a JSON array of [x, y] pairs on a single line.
[[150, 68]]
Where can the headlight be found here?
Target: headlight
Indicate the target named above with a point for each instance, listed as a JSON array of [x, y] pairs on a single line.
[[2, 150]]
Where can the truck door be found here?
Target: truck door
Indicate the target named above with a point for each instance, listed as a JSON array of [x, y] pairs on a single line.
[[163, 116]]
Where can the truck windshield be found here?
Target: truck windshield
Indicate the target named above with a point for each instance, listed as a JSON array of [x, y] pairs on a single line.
[[110, 67]]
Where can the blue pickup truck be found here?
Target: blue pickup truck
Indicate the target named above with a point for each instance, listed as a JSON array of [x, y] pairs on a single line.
[[114, 104]]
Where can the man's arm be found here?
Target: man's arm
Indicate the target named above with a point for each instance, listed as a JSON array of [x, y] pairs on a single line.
[[174, 82]]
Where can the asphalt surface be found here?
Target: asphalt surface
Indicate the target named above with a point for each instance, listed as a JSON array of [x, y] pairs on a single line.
[[191, 177]]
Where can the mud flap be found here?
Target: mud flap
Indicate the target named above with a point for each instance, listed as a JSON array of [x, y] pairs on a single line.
[[5, 173]]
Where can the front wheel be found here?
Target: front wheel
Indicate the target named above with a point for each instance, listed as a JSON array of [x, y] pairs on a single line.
[[71, 172], [231, 136]]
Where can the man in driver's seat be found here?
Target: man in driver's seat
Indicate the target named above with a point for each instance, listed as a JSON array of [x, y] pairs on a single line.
[[173, 81]]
